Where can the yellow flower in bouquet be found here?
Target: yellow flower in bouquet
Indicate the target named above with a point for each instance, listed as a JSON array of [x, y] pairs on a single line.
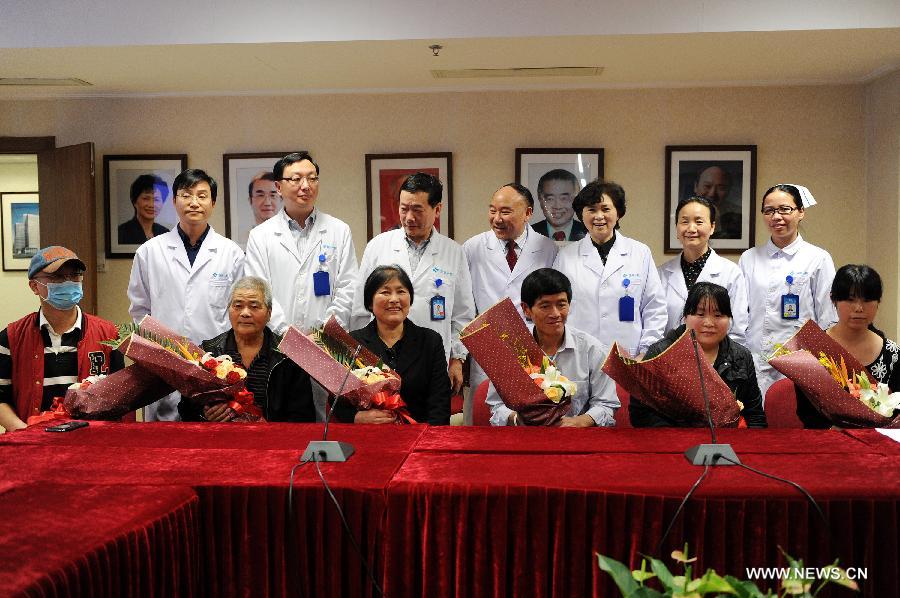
[[555, 386], [223, 367]]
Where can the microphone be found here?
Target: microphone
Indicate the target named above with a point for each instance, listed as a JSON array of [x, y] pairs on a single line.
[[714, 453], [331, 450]]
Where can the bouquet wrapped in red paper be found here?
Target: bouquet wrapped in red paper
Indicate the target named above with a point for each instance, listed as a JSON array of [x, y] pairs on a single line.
[[200, 378], [836, 384], [527, 382], [113, 396], [670, 384], [327, 355]]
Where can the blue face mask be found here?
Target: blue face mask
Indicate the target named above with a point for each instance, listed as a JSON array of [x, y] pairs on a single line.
[[63, 295]]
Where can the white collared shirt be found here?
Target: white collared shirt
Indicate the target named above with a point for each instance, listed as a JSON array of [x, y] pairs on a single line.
[[56, 338], [301, 235], [580, 359]]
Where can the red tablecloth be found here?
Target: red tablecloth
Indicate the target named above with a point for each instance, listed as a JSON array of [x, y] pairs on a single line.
[[529, 518], [249, 545], [478, 512], [90, 540]]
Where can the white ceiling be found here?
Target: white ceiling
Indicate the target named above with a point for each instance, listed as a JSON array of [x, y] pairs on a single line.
[[664, 60], [190, 47], [75, 23]]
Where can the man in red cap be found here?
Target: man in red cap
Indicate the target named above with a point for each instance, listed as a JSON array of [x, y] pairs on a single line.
[[58, 345]]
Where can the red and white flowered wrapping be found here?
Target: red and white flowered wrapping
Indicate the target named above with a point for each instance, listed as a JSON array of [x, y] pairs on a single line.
[[670, 384], [116, 395], [824, 393], [325, 370], [195, 383], [502, 345]]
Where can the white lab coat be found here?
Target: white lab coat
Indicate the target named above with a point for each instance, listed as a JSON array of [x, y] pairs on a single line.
[[272, 255], [766, 268], [717, 270], [443, 259], [596, 290], [492, 279], [192, 300]]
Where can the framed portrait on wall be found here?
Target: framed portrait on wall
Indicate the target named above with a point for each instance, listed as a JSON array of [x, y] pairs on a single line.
[[138, 200], [726, 176], [21, 231], [250, 194], [555, 176], [385, 174]]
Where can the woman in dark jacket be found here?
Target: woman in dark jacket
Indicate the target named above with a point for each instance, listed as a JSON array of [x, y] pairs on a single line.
[[415, 353], [280, 387], [707, 311]]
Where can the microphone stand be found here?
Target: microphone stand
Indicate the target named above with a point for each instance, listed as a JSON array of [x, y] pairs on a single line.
[[714, 453], [331, 450]]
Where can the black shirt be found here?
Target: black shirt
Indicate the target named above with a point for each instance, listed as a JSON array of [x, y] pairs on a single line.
[[691, 270], [192, 250], [604, 248]]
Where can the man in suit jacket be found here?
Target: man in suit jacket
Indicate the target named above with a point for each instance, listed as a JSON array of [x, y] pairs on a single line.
[[500, 258], [556, 191]]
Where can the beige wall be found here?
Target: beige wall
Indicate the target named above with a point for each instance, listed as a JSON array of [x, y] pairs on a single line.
[[808, 135], [883, 191], [17, 298]]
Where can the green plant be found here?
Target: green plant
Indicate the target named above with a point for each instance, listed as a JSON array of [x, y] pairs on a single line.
[[632, 584]]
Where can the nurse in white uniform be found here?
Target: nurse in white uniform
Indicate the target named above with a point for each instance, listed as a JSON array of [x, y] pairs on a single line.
[[695, 222], [616, 292], [789, 280], [183, 278]]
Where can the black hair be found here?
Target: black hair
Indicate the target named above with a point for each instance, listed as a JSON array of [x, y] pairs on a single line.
[[593, 193], [545, 281], [790, 190], [265, 176], [854, 281], [420, 182], [190, 178], [700, 200], [379, 277], [557, 174], [521, 190], [148, 182], [278, 169], [707, 290]]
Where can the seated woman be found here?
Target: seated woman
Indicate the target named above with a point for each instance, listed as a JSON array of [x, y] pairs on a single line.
[[856, 293], [415, 353], [280, 387], [707, 312]]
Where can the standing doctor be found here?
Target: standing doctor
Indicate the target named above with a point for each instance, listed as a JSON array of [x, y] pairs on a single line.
[[436, 265], [182, 278], [500, 258], [789, 279], [306, 255], [616, 292], [695, 223]]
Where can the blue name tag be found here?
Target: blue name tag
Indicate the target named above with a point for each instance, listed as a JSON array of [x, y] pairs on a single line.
[[438, 308], [790, 307], [626, 309], [321, 283]]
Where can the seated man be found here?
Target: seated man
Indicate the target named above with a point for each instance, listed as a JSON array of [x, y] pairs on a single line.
[[546, 294], [58, 345]]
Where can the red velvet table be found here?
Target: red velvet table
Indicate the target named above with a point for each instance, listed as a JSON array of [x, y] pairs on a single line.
[[506, 512], [90, 540], [486, 512], [249, 543]]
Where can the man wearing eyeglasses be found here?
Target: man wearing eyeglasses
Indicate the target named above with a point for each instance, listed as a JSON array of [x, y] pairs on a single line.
[[183, 278], [58, 345], [306, 255]]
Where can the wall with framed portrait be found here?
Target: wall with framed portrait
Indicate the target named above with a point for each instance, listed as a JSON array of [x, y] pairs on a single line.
[[249, 191]]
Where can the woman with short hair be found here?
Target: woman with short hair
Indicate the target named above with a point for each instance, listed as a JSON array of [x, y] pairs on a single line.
[[280, 387]]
